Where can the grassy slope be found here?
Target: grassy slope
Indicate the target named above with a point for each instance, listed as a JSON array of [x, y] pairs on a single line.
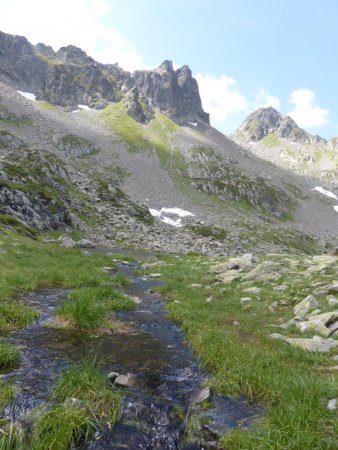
[[233, 342], [28, 264]]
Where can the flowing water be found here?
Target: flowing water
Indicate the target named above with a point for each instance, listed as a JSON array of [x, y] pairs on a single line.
[[166, 370]]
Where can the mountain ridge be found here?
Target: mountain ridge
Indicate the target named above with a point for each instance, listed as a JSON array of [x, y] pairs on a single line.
[[277, 138], [39, 69]]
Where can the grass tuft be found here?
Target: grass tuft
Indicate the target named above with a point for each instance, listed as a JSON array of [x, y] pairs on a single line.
[[90, 308], [9, 355], [62, 427]]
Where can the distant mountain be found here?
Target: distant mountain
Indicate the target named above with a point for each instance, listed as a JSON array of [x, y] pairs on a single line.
[[70, 77], [276, 137], [130, 159]]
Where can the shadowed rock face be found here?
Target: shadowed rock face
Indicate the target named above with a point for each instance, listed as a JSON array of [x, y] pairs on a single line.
[[20, 66], [70, 77], [173, 91]]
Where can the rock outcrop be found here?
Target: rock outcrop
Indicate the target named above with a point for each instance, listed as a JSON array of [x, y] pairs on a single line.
[[265, 121], [174, 92], [69, 77]]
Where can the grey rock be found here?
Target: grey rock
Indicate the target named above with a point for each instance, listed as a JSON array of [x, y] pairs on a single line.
[[173, 92], [332, 404], [316, 344], [112, 376], [332, 300], [302, 308], [85, 243], [66, 241], [201, 395], [127, 380]]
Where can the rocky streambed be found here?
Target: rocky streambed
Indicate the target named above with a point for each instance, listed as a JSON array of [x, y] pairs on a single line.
[[158, 401]]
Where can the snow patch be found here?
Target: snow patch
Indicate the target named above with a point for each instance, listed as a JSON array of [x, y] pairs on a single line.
[[83, 108], [27, 95], [325, 192], [171, 216], [335, 208], [193, 124]]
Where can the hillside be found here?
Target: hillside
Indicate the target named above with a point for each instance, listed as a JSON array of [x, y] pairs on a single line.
[[277, 138]]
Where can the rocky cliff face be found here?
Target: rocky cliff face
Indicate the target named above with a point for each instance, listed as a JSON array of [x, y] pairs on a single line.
[[70, 77], [174, 92]]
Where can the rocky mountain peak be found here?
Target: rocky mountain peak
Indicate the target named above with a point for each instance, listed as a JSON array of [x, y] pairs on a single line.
[[45, 50], [268, 120], [74, 55], [166, 66]]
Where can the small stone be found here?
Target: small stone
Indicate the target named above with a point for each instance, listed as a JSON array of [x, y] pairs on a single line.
[[108, 269], [112, 376], [332, 300], [74, 401], [195, 285], [146, 266], [282, 287], [201, 395], [127, 380], [245, 299], [273, 307], [253, 290], [209, 299], [332, 404], [85, 243]]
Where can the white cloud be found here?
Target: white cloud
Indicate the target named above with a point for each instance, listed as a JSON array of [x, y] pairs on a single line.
[[220, 96], [65, 22], [305, 112], [264, 99]]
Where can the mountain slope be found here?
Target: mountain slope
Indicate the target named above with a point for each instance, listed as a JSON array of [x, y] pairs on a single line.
[[115, 169], [277, 138]]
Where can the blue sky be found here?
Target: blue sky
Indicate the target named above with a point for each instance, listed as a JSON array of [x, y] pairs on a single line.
[[245, 54]]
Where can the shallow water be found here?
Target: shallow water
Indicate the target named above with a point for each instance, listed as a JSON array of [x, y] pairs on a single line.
[[166, 370]]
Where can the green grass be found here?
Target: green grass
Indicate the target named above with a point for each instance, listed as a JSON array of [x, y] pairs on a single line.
[[6, 394], [90, 308], [45, 105], [82, 401], [27, 265], [244, 361], [70, 422], [62, 427], [208, 231], [87, 382], [271, 140], [131, 132], [9, 355]]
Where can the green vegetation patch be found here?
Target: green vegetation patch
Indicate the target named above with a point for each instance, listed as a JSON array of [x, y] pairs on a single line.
[[90, 308], [27, 265], [9, 355], [232, 340], [271, 140], [131, 132], [208, 231], [61, 427], [82, 401]]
